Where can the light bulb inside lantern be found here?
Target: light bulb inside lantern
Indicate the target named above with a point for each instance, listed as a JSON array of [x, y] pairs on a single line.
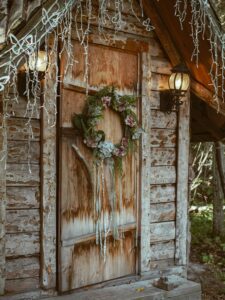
[[38, 61], [179, 82]]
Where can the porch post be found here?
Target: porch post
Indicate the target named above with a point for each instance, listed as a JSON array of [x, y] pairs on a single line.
[[48, 179], [2, 199], [145, 165]]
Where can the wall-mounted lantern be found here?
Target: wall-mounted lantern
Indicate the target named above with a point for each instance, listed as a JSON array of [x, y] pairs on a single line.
[[38, 61], [179, 82]]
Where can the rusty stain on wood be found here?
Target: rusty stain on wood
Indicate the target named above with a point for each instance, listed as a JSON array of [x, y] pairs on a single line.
[[120, 261]]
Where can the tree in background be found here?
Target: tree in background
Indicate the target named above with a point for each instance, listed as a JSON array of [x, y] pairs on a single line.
[[208, 186]]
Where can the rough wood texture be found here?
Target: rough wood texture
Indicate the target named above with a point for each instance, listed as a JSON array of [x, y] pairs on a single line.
[[163, 138], [162, 193], [23, 197], [18, 175], [48, 225], [161, 31], [182, 181], [163, 156], [2, 207], [22, 267], [130, 26], [162, 212], [22, 285], [163, 264], [76, 195], [104, 61], [20, 151], [17, 129], [162, 231], [19, 108], [163, 120], [164, 250], [16, 14], [161, 65], [159, 82], [163, 175], [23, 221], [146, 167], [3, 21], [22, 244]]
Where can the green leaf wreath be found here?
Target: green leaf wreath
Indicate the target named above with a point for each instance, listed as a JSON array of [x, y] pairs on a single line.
[[86, 123]]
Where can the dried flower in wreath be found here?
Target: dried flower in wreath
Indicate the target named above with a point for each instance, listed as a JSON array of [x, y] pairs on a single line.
[[92, 113]]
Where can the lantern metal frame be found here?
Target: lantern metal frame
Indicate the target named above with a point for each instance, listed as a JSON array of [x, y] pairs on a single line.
[[171, 99]]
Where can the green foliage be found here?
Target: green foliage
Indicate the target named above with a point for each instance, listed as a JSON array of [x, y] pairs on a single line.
[[208, 248]]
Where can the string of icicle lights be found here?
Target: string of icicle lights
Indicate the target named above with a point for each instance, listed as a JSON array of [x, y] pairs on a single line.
[[204, 25], [57, 22], [54, 28]]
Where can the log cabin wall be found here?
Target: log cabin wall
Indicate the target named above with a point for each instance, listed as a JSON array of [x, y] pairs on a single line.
[[23, 202], [23, 213]]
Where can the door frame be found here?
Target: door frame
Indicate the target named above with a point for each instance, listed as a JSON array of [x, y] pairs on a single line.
[[50, 239]]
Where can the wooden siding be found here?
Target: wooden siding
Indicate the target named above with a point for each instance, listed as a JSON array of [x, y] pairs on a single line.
[[23, 203], [163, 170]]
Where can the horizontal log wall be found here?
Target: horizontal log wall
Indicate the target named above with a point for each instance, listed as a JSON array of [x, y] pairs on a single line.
[[163, 170], [23, 202]]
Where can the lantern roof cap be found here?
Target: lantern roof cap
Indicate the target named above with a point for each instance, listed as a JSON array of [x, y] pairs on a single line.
[[180, 68]]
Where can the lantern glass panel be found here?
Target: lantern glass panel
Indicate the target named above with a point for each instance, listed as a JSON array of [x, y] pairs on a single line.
[[38, 62], [179, 82]]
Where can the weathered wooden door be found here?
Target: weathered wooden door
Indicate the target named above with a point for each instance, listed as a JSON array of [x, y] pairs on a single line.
[[81, 260]]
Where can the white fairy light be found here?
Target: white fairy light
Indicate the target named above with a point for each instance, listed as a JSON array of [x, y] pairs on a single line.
[[202, 18]]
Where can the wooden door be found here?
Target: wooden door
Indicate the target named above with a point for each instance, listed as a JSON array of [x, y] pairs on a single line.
[[82, 261]]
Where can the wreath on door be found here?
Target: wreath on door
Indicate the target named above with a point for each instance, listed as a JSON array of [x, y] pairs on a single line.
[[92, 113]]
